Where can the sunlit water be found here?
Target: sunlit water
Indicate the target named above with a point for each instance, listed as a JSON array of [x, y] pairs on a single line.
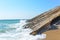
[[13, 30]]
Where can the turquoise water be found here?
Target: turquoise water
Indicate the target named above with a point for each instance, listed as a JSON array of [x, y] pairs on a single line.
[[6, 25], [13, 30], [11, 21]]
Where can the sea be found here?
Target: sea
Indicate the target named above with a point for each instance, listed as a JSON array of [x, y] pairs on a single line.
[[12, 29]]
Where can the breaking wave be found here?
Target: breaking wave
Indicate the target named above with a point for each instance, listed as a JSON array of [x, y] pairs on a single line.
[[15, 31]]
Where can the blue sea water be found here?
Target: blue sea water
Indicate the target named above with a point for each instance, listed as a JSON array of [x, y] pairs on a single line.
[[13, 29], [5, 24]]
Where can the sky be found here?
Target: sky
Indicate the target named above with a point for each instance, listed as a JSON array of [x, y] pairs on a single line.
[[25, 9]]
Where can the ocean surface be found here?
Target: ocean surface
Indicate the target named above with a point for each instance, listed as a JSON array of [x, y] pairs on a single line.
[[13, 29]]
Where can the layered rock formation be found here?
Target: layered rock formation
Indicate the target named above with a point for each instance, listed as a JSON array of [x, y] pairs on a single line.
[[46, 21]]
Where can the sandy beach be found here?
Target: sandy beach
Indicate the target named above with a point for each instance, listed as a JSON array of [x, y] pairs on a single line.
[[53, 35]]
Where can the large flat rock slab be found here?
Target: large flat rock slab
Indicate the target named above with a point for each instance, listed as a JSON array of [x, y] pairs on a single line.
[[40, 22]]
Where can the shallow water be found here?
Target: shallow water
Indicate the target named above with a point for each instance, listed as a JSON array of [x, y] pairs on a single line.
[[15, 31]]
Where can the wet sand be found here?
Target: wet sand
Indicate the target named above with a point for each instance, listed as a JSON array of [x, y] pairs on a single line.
[[53, 35]]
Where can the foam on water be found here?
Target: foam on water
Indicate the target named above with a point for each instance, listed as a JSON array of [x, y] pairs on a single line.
[[17, 32]]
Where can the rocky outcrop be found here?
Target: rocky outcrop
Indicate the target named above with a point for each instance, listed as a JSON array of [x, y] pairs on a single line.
[[43, 22]]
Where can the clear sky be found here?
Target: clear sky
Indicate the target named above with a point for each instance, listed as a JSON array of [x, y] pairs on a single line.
[[25, 9]]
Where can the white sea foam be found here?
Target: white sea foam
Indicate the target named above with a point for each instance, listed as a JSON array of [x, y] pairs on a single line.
[[19, 33]]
